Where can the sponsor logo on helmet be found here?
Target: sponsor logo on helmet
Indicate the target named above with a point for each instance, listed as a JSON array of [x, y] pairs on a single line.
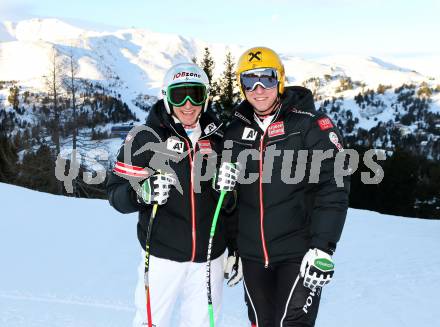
[[186, 74], [254, 55]]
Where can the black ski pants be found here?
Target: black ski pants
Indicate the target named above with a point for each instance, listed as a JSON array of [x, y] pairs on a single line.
[[276, 297]]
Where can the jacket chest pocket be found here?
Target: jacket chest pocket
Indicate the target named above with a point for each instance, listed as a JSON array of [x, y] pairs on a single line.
[[204, 166], [247, 154], [291, 140], [238, 149]]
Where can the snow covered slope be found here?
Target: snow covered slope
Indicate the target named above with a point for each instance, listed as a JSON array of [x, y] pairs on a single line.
[[72, 262], [64, 262]]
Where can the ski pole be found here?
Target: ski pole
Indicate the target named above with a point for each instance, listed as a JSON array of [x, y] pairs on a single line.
[[208, 262], [147, 264]]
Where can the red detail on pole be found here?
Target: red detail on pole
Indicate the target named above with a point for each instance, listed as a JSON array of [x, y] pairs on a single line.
[[150, 320]]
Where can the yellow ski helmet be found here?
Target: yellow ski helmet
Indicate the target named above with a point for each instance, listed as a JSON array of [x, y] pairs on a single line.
[[261, 57]]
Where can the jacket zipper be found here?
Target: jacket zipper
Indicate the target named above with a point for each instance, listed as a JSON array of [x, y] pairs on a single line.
[[263, 240], [193, 200], [192, 197]]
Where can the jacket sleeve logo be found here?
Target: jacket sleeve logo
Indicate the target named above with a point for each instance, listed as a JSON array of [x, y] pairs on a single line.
[[249, 134], [325, 123], [208, 129], [335, 140], [122, 168]]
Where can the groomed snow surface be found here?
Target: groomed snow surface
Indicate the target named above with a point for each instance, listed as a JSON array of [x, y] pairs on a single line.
[[73, 262]]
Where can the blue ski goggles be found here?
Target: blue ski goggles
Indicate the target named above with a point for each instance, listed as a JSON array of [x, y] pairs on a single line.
[[266, 77], [178, 94]]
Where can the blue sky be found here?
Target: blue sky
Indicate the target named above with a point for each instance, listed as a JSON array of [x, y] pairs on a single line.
[[371, 27]]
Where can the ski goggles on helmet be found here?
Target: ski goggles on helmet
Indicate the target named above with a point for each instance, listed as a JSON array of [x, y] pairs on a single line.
[[178, 94], [266, 77]]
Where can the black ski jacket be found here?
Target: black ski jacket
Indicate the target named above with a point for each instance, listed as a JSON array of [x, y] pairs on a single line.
[[280, 219], [182, 225]]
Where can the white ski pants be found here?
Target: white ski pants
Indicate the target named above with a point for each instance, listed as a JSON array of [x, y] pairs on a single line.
[[178, 285]]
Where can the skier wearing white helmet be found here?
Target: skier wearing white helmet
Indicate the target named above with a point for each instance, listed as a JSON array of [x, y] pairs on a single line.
[[180, 133]]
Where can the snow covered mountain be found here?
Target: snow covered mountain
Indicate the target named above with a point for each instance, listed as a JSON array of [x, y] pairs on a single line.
[[132, 62], [73, 262]]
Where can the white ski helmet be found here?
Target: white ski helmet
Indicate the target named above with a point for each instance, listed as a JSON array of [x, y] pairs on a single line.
[[184, 73]]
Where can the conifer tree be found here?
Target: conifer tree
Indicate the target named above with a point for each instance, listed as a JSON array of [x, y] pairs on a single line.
[[228, 90], [207, 64], [13, 97], [8, 159]]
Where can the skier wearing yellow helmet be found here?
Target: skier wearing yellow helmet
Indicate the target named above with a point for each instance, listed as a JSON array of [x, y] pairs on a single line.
[[288, 226]]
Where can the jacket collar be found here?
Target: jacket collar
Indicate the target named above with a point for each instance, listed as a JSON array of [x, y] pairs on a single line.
[[294, 97]]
